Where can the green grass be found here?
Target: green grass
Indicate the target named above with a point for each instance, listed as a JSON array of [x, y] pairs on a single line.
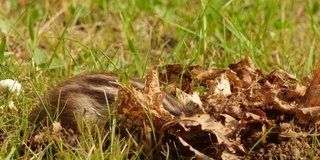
[[46, 42]]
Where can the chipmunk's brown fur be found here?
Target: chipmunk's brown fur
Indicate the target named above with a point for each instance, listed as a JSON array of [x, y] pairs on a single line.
[[88, 96]]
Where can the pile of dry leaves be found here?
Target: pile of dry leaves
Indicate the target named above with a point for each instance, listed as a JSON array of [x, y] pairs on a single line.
[[240, 113]]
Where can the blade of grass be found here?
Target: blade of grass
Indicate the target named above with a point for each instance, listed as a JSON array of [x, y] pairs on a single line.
[[235, 31], [148, 54], [31, 31], [181, 40], [314, 24], [132, 48], [61, 37], [11, 153], [2, 48], [181, 27], [257, 143]]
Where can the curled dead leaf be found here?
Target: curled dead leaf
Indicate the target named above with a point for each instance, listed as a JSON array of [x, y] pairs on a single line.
[[189, 131], [219, 86], [246, 71], [37, 139], [197, 154], [313, 92], [146, 105], [307, 114], [203, 77], [56, 128], [187, 99], [281, 78]]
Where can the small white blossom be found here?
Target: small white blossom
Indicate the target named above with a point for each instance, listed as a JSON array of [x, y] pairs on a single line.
[[10, 105], [10, 85], [2, 109]]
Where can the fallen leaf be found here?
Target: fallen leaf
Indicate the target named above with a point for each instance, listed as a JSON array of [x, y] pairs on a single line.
[[56, 128], [146, 105], [307, 114], [313, 92]]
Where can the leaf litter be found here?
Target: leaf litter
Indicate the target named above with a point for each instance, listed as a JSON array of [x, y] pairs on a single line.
[[239, 113]]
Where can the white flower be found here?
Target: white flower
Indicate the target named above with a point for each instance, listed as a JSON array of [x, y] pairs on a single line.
[[10, 85], [11, 106]]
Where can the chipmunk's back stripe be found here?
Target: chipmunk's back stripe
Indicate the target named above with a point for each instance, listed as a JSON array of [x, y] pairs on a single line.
[[98, 95], [101, 81]]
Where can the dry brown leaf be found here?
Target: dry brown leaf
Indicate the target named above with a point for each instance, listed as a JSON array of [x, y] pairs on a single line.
[[186, 98], [307, 114], [196, 99], [203, 125], [146, 105], [306, 81], [234, 105], [310, 110], [197, 154], [130, 107], [234, 80], [230, 122], [215, 103], [226, 155], [56, 128], [256, 95], [287, 132], [246, 71], [37, 139], [313, 92], [281, 78], [292, 92], [204, 76], [283, 106], [219, 86]]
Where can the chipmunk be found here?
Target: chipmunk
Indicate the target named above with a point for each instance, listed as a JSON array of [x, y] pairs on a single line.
[[89, 96]]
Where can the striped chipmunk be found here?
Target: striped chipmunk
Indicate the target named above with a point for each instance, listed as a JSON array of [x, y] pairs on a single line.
[[87, 95]]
